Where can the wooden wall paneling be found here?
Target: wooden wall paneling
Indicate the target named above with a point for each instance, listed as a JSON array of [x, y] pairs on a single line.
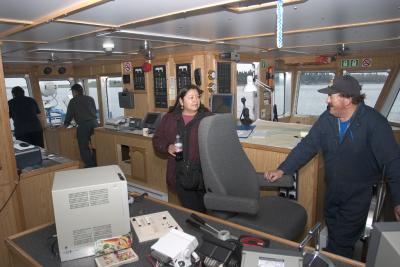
[[396, 133], [149, 83], [10, 218], [35, 193], [62, 141], [138, 163], [106, 150], [144, 159], [141, 106], [52, 140]]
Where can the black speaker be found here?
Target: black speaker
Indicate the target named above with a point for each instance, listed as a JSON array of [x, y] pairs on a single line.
[[197, 76], [62, 70], [47, 70], [126, 79]]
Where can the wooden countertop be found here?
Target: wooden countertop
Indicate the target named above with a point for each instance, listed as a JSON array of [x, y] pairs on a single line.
[[124, 132]]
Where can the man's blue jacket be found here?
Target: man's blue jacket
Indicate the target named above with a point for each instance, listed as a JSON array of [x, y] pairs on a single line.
[[358, 160]]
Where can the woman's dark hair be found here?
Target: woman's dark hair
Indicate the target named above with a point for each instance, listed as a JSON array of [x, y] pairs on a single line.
[[17, 91], [177, 106], [77, 88]]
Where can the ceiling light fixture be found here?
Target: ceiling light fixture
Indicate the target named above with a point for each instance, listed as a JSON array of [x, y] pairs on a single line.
[[108, 45], [79, 51]]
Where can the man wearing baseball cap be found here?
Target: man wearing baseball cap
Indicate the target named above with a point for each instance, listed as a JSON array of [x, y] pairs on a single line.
[[357, 142]]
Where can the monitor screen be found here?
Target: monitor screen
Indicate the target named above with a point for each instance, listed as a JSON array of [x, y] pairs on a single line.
[[222, 103], [384, 244], [152, 120]]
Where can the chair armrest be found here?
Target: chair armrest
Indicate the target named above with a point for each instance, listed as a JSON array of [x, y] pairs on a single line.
[[213, 201], [285, 181]]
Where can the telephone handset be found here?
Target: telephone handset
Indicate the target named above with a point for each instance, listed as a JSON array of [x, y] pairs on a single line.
[[135, 123]]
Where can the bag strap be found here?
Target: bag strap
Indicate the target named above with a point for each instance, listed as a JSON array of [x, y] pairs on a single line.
[[183, 131]]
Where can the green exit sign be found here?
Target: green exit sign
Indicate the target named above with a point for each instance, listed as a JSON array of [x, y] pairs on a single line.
[[350, 63]]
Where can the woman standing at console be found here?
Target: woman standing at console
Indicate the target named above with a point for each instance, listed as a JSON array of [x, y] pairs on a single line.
[[183, 119]]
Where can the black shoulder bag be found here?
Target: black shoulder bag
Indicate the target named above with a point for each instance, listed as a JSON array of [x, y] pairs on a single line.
[[188, 174]]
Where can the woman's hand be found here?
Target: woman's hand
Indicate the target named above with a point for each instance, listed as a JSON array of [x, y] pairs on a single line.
[[171, 150]]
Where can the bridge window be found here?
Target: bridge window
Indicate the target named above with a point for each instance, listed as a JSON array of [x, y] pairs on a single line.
[[371, 83], [394, 114], [56, 95], [309, 100], [112, 86]]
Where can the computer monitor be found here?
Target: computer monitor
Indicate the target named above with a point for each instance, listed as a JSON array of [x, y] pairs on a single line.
[[126, 99], [222, 103], [384, 245], [152, 120]]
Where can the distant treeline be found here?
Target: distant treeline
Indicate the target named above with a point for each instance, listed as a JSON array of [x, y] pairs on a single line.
[[325, 77], [242, 77]]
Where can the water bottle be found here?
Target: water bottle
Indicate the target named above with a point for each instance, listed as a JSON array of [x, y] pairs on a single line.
[[178, 148]]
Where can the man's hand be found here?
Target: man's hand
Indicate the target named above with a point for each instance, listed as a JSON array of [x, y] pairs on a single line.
[[397, 212], [272, 176]]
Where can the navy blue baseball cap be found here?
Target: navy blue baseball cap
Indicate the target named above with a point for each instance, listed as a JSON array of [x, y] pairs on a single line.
[[343, 84]]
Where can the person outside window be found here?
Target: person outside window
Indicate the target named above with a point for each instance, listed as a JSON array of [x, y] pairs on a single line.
[[25, 113], [82, 109], [187, 112], [357, 142]]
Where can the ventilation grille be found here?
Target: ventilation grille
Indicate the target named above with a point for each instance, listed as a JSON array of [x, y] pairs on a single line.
[[99, 197], [89, 235], [88, 198], [82, 236], [78, 200]]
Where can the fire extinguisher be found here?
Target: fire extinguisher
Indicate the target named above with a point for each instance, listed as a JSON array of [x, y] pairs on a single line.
[[270, 77]]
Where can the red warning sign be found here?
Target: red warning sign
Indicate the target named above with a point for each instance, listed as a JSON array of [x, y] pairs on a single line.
[[127, 66], [366, 62]]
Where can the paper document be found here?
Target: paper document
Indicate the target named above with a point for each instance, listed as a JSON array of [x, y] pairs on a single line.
[[244, 131]]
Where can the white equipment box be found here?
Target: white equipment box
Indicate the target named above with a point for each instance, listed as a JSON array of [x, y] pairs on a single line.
[[89, 204], [153, 226]]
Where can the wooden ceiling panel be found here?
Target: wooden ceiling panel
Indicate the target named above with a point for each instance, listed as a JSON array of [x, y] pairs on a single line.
[[31, 10], [124, 11], [52, 32]]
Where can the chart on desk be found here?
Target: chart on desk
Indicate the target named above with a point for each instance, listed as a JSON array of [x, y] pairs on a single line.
[[244, 131]]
